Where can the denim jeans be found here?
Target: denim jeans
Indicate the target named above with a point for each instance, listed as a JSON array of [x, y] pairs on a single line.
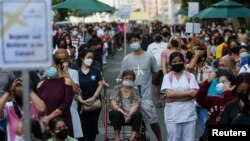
[[3, 123], [202, 114]]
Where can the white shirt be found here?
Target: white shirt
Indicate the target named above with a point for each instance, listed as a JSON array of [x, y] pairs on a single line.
[[155, 49], [244, 68], [77, 129], [100, 32], [74, 75], [179, 111]]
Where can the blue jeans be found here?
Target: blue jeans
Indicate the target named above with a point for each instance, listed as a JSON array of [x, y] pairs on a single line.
[[3, 124], [202, 114]]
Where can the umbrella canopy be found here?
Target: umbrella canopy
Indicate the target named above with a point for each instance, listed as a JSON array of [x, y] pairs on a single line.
[[183, 12], [224, 9], [88, 6], [227, 3]]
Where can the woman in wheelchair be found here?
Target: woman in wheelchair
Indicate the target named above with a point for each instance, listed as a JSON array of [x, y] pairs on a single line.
[[124, 102]]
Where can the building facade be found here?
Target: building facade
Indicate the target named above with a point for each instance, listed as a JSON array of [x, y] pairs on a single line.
[[162, 10]]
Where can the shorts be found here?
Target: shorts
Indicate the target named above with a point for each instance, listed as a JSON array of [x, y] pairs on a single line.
[[148, 111], [158, 80]]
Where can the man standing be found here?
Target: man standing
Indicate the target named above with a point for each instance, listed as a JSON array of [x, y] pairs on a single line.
[[75, 40], [147, 39], [155, 49], [145, 67], [95, 44]]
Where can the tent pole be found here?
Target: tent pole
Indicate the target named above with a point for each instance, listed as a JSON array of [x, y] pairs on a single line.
[[193, 33]]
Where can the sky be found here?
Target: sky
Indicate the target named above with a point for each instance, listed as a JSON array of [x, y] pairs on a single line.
[[109, 2], [97, 17]]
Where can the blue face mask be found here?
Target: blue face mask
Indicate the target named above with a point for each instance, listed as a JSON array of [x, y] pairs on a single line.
[[127, 83], [74, 33], [135, 46], [244, 54], [219, 88], [206, 39], [51, 72]]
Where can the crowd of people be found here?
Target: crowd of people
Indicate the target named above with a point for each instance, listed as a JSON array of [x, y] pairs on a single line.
[[204, 77]]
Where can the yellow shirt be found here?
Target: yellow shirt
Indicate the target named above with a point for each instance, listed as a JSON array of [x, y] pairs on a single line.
[[189, 47], [219, 50]]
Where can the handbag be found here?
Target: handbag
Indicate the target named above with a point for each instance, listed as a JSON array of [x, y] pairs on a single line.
[[96, 105]]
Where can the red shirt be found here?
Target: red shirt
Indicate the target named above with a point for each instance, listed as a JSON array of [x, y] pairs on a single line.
[[214, 104]]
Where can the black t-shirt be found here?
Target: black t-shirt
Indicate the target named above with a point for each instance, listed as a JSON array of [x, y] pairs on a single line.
[[231, 110], [89, 82], [242, 119], [146, 40], [98, 53]]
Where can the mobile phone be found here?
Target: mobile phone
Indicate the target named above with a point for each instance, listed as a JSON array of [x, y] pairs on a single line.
[[61, 64]]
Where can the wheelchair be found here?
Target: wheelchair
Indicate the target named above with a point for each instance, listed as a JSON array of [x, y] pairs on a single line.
[[125, 136]]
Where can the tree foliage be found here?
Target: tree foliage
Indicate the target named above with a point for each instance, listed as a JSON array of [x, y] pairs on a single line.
[[206, 3], [61, 13]]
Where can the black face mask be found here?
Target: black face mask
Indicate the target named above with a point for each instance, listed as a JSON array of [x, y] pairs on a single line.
[[178, 67], [158, 38], [62, 135], [242, 96], [234, 49], [165, 34], [19, 100]]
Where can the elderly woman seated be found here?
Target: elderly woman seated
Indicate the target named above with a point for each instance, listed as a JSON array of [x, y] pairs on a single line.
[[124, 102]]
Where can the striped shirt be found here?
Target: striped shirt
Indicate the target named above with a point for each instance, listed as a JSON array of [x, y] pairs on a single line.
[[77, 42]]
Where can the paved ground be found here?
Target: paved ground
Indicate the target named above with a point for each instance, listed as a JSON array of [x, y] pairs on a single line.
[[111, 72]]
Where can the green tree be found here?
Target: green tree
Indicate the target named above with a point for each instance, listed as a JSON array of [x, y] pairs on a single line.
[[61, 14], [206, 3], [246, 3], [203, 3]]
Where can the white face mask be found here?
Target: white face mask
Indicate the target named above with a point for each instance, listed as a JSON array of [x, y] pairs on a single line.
[[88, 62], [128, 83]]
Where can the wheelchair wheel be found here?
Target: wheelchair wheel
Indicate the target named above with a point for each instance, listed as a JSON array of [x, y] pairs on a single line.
[[145, 136]]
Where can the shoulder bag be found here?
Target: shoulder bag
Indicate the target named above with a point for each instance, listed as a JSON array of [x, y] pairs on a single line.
[[96, 105]]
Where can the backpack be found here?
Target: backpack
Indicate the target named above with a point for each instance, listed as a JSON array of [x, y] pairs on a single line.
[[245, 67], [171, 76]]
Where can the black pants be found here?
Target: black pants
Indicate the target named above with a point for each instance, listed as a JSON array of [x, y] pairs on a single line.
[[89, 121], [117, 119]]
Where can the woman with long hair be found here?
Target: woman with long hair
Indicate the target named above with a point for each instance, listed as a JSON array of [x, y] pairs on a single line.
[[233, 108]]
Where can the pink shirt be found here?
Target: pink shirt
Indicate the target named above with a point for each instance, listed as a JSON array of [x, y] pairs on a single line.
[[13, 119]]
